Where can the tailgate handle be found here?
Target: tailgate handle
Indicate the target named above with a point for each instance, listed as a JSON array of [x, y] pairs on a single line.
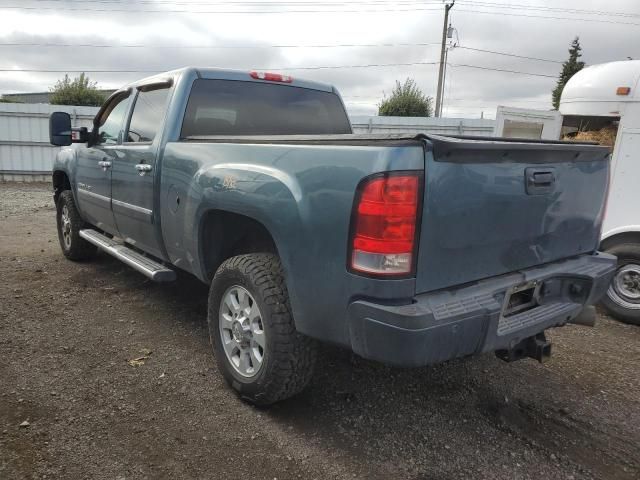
[[542, 178], [540, 181]]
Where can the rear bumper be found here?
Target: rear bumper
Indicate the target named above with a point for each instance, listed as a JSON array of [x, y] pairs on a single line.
[[467, 320]]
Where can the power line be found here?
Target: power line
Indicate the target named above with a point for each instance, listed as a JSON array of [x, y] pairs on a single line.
[[94, 45], [545, 8], [252, 4], [241, 12], [501, 70], [255, 4], [322, 67], [472, 3], [477, 3], [269, 12], [508, 54], [466, 10], [353, 45], [360, 10]]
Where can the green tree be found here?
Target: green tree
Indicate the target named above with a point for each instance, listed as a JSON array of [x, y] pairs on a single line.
[[406, 100], [4, 99], [79, 91], [569, 69]]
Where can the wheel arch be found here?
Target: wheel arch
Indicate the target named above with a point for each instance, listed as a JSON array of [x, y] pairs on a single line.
[[61, 182], [628, 236], [217, 242]]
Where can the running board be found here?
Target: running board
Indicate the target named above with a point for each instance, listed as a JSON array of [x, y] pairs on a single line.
[[150, 268]]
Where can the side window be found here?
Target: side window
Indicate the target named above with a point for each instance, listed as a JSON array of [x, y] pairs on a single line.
[[110, 127], [147, 116]]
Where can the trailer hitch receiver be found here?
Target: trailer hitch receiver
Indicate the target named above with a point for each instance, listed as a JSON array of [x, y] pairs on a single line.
[[536, 347]]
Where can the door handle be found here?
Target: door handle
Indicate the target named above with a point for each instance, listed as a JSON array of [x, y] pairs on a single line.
[[143, 168], [105, 164]]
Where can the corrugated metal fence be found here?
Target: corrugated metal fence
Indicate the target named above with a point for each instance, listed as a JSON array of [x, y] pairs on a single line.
[[25, 151], [442, 126]]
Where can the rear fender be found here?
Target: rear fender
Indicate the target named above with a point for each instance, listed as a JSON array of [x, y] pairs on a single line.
[[265, 194]]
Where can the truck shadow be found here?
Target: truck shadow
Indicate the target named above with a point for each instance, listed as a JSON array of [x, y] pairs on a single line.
[[478, 411]]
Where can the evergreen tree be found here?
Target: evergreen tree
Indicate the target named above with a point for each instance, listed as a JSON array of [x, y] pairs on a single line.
[[569, 69]]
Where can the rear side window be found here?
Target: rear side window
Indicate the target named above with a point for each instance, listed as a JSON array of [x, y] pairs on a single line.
[[147, 116], [231, 107]]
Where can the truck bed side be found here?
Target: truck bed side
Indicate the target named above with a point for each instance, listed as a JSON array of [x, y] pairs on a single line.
[[303, 195]]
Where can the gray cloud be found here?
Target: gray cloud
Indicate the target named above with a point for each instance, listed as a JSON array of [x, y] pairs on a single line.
[[469, 91]]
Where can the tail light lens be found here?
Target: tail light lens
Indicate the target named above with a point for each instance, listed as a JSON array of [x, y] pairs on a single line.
[[384, 224]]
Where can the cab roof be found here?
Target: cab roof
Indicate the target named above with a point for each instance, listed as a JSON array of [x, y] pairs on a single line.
[[227, 74]]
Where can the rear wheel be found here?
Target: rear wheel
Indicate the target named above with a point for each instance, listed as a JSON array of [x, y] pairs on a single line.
[[623, 296], [69, 225], [256, 345]]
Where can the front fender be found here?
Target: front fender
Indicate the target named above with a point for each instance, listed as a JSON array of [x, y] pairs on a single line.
[[65, 162]]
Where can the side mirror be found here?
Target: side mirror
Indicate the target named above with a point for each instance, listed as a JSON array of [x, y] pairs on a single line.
[[62, 134], [60, 129]]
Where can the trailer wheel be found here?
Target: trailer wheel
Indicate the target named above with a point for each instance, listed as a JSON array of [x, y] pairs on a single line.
[[257, 348], [623, 296]]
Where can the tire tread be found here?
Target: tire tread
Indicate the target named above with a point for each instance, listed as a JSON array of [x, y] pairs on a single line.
[[624, 251], [80, 249], [292, 355]]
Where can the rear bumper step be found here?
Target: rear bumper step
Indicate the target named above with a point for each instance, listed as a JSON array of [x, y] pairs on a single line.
[[148, 267], [470, 319]]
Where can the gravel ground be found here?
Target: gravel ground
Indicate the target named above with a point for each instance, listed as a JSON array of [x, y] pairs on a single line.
[[67, 331]]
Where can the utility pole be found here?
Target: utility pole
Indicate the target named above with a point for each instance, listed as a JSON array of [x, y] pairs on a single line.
[[444, 80], [447, 7]]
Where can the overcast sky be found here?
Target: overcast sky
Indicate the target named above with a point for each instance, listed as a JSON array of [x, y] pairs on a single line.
[[281, 35]]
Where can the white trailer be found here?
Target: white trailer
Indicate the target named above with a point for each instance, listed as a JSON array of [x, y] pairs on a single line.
[[609, 95], [512, 122]]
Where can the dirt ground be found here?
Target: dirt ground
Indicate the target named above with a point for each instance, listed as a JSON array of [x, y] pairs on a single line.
[[68, 330]]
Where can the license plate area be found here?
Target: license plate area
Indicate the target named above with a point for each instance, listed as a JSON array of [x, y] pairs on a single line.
[[521, 298]]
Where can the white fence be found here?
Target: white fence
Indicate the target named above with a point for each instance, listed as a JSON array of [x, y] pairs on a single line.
[[25, 151], [442, 126]]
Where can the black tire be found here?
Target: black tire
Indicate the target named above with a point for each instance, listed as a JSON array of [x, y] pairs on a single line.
[[73, 246], [288, 358], [623, 308]]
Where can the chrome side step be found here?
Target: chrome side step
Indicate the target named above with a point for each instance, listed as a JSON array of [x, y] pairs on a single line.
[[148, 267]]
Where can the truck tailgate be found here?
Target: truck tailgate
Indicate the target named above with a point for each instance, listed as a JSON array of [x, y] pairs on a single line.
[[493, 206]]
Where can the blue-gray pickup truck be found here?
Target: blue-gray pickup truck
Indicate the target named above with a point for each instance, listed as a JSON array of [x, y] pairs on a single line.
[[406, 249]]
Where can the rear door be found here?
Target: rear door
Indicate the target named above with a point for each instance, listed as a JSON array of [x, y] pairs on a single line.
[[94, 166], [492, 207], [134, 170]]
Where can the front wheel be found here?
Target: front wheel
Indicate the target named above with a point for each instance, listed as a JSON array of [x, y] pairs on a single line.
[[256, 345], [623, 296], [69, 223]]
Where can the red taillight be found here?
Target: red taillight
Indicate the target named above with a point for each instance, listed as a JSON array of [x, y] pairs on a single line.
[[384, 224], [271, 77]]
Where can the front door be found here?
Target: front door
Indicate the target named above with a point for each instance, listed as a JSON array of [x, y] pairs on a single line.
[[94, 166], [134, 172]]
